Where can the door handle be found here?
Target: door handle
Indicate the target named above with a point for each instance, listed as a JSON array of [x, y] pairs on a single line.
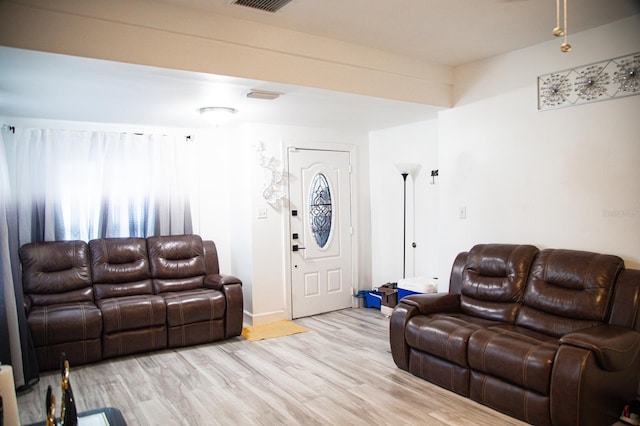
[[297, 247]]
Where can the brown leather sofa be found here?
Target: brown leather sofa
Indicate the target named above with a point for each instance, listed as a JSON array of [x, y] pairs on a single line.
[[119, 296], [550, 337]]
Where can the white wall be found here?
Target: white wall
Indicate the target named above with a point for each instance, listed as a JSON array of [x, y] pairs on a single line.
[[544, 178], [415, 143]]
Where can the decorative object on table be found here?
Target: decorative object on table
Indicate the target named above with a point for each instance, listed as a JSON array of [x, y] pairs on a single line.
[[50, 408], [615, 78], [68, 412]]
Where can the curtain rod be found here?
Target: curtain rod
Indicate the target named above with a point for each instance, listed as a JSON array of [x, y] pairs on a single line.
[[12, 129]]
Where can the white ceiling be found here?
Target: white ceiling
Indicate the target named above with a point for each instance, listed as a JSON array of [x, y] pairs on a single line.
[[453, 32]]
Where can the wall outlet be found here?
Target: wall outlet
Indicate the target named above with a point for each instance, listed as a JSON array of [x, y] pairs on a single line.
[[262, 213], [462, 212]]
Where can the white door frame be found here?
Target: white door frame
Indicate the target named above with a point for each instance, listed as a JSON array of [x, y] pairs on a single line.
[[316, 146]]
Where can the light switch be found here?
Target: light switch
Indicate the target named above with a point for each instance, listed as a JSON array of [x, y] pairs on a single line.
[[262, 213], [462, 212]]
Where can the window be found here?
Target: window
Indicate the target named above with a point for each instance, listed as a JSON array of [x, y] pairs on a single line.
[[320, 210]]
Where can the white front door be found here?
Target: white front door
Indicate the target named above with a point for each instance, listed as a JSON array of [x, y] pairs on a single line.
[[320, 231]]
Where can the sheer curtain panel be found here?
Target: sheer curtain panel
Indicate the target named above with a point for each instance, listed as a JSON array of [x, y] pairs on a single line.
[[74, 185], [85, 185], [16, 348]]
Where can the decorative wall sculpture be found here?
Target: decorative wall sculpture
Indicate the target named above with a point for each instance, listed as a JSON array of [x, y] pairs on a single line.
[[611, 79], [275, 177]]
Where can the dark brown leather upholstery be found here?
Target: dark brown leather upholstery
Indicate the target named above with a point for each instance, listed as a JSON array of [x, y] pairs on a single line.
[[195, 314], [62, 314], [134, 319], [119, 296], [549, 337]]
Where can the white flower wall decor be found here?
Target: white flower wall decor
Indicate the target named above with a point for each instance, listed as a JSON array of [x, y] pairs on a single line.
[[275, 177]]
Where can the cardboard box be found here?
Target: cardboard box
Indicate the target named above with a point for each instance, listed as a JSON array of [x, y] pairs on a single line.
[[389, 294]]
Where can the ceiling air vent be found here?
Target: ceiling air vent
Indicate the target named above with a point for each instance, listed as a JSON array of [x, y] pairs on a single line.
[[266, 5]]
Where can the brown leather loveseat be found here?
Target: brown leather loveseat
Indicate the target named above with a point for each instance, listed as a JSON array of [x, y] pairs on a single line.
[[119, 296], [547, 336]]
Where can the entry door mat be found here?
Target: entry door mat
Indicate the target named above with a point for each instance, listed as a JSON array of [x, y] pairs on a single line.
[[269, 331]]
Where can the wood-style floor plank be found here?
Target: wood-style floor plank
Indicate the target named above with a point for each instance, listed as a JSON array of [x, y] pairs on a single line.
[[340, 372]]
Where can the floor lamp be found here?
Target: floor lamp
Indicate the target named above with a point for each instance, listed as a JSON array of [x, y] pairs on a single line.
[[406, 169]]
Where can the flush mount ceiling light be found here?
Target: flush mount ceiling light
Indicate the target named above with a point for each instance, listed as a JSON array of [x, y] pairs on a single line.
[[263, 94], [217, 115]]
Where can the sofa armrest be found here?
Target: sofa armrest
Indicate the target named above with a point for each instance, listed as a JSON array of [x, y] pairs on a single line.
[[218, 281], [231, 287], [432, 303], [616, 348], [410, 306], [625, 310]]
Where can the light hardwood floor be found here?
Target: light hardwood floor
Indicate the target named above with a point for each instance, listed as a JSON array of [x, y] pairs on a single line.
[[339, 373]]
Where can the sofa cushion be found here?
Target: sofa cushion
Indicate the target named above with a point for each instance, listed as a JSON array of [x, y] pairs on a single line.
[[56, 272], [132, 312], [568, 290], [514, 354], [444, 335], [177, 262], [120, 267], [493, 280], [62, 323], [192, 306]]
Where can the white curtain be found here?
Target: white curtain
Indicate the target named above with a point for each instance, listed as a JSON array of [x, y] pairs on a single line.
[[16, 349], [85, 185], [63, 185]]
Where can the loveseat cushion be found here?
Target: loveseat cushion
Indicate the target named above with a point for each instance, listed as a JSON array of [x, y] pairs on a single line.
[[445, 336], [514, 354], [568, 290], [493, 280], [62, 323]]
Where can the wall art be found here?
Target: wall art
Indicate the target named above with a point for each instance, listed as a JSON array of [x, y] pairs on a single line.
[[275, 176], [602, 81]]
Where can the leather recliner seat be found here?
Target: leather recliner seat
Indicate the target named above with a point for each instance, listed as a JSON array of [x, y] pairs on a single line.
[[119, 296], [549, 337]]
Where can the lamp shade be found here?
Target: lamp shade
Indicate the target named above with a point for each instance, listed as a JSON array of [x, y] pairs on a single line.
[[411, 169]]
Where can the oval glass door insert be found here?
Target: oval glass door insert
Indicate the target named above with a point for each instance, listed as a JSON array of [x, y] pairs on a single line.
[[320, 210]]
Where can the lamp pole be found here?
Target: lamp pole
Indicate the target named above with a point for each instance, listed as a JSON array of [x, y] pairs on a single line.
[[404, 226]]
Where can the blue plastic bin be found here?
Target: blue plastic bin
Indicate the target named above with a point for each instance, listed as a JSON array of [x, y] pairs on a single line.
[[373, 299]]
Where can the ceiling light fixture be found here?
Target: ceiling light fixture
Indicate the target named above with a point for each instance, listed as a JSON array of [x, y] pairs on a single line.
[[263, 94], [559, 31], [217, 115]]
